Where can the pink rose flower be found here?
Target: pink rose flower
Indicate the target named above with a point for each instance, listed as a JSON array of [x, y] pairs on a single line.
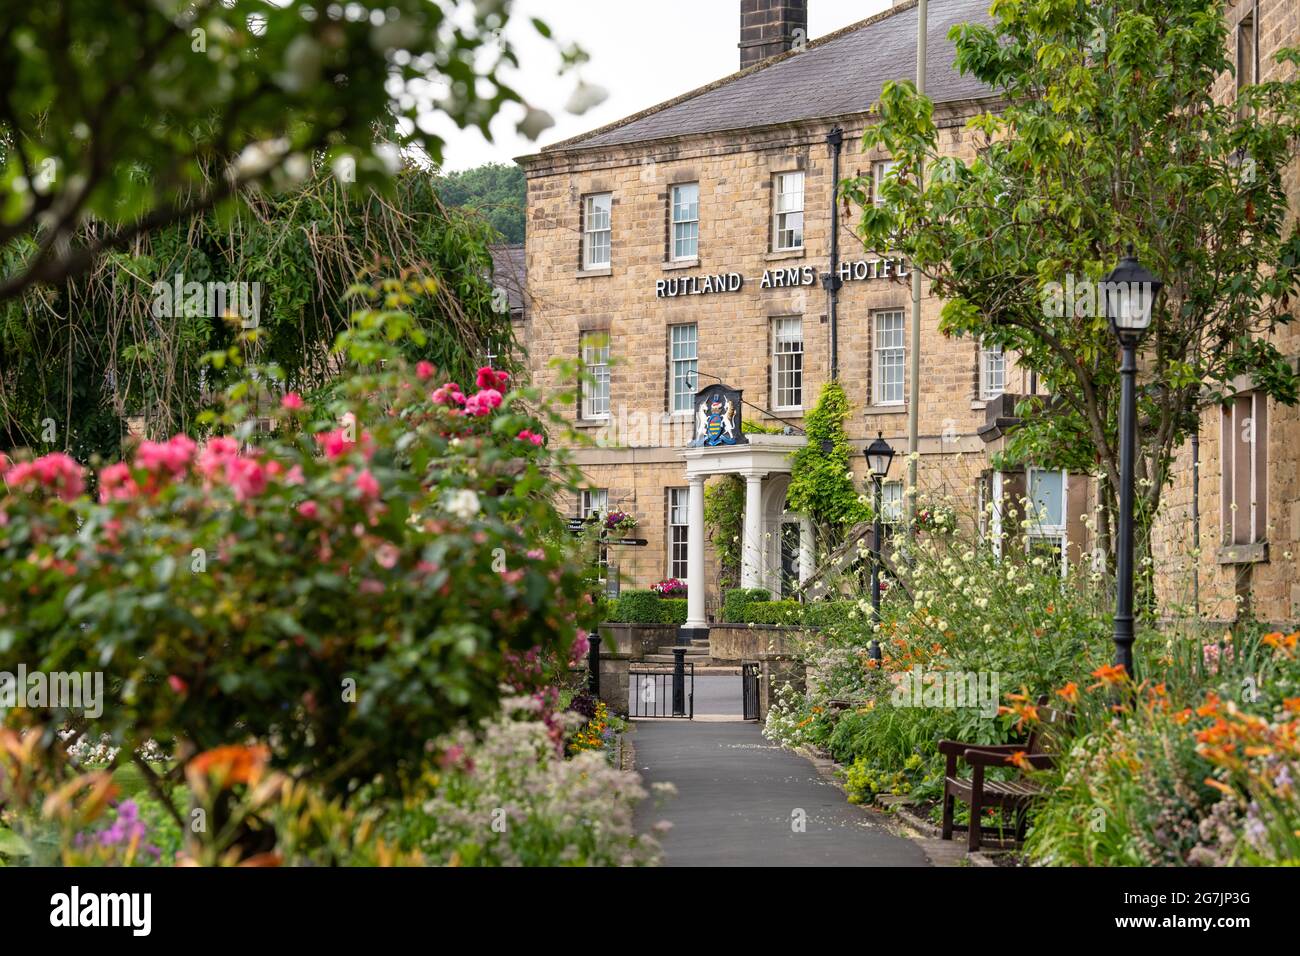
[[247, 477], [449, 394], [423, 370], [367, 485], [292, 401], [56, 472], [309, 510], [482, 403], [212, 459], [533, 437], [116, 483], [490, 378]]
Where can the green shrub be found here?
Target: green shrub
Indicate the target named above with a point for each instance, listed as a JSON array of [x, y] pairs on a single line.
[[735, 602], [773, 612], [328, 591], [672, 610], [835, 614], [637, 607]]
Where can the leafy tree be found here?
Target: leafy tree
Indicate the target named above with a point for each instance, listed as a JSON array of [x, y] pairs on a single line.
[[821, 482], [496, 190], [83, 357], [137, 115], [1109, 136]]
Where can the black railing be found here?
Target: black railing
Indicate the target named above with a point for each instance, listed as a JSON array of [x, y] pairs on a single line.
[[749, 689], [662, 690]]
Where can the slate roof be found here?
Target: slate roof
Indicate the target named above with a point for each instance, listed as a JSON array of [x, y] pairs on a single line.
[[837, 75]]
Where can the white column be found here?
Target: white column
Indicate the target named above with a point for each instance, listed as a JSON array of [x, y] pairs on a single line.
[[805, 550], [695, 555], [751, 559]]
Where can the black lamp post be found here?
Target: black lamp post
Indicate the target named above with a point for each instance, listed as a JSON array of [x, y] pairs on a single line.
[[1130, 292], [879, 456]]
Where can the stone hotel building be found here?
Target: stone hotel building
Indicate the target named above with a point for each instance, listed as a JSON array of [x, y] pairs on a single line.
[[686, 247]]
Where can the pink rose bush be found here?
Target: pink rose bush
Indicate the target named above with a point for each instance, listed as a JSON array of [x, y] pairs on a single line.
[[310, 589]]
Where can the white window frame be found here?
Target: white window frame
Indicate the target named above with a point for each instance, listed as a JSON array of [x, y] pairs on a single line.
[[685, 216], [1247, 523], [879, 170], [1049, 531], [787, 211], [683, 364], [891, 356], [787, 363], [597, 230], [678, 531], [993, 372], [595, 501], [594, 347]]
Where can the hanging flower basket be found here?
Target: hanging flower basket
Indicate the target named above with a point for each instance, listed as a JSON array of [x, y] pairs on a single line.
[[619, 521]]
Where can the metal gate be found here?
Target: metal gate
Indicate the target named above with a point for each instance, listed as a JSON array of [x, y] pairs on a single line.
[[749, 689], [661, 690]]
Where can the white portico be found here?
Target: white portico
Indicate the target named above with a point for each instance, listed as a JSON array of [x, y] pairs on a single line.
[[764, 462]]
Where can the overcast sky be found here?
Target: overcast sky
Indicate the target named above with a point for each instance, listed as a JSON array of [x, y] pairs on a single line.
[[642, 52]]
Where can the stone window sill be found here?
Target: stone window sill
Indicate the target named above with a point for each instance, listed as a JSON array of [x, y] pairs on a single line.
[[590, 422], [681, 264], [1256, 553], [886, 410], [780, 254], [594, 273]]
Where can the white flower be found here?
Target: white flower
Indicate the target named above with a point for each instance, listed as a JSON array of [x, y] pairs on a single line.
[[464, 503], [259, 157], [585, 96], [535, 123], [302, 64]]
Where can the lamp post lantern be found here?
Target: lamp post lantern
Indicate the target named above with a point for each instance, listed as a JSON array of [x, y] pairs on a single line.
[[879, 455], [1130, 292]]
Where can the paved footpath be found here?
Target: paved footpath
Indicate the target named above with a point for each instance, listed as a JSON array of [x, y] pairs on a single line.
[[738, 795]]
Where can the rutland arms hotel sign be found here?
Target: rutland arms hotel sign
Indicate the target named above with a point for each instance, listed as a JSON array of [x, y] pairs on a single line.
[[857, 270]]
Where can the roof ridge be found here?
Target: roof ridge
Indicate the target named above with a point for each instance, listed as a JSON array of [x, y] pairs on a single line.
[[730, 78]]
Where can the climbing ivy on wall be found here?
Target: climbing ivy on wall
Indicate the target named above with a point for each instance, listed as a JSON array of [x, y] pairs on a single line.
[[821, 483], [78, 360], [724, 515]]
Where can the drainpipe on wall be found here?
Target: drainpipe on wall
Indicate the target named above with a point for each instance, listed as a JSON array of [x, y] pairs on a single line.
[[832, 281], [1196, 520], [914, 398]]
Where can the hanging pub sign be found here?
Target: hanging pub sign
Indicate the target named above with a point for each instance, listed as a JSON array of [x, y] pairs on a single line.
[[717, 417], [792, 277]]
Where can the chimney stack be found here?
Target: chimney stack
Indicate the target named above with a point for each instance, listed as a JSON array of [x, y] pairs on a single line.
[[769, 27]]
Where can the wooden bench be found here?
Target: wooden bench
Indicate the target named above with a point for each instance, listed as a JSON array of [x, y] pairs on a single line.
[[1011, 796]]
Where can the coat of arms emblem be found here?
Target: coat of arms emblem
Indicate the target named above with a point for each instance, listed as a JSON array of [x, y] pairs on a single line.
[[717, 418]]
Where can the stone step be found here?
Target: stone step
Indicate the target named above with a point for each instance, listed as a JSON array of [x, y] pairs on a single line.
[[691, 649]]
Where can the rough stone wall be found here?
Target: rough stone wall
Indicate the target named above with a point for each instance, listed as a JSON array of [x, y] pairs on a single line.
[[1229, 586]]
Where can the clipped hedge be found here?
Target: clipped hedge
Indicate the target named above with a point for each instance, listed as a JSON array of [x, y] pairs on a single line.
[[773, 612], [636, 607], [673, 610], [791, 612], [831, 614], [736, 602]]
